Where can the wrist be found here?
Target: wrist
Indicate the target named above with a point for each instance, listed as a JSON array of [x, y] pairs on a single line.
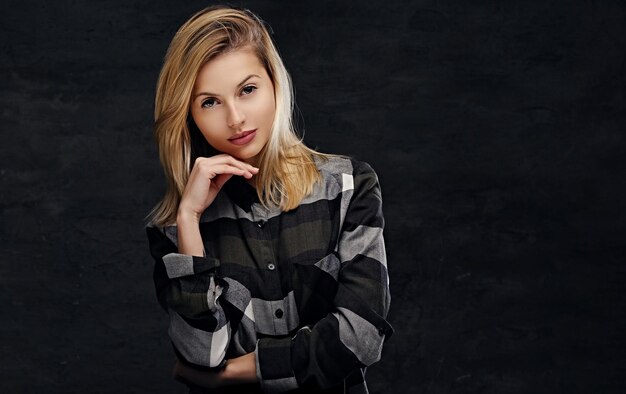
[[186, 217]]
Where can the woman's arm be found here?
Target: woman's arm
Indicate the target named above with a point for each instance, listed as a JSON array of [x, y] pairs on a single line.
[[188, 287], [237, 370], [352, 335], [189, 238], [188, 282]]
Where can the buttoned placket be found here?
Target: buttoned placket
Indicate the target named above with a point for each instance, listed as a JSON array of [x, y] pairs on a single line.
[[268, 263]]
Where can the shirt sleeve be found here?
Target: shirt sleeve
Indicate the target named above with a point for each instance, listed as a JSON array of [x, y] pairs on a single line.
[[351, 336], [188, 288]]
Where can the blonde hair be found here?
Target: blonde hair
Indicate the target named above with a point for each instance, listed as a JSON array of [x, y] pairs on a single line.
[[288, 171]]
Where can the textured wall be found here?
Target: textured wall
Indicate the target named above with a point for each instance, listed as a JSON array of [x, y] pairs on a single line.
[[497, 131]]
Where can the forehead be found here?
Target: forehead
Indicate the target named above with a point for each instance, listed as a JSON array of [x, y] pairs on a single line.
[[228, 69]]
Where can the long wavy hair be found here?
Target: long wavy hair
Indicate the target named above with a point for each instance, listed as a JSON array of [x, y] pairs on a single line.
[[288, 171]]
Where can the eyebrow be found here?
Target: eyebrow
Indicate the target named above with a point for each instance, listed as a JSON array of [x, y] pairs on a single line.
[[213, 94]]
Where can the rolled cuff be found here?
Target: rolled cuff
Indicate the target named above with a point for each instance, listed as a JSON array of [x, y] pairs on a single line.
[[273, 365], [178, 265]]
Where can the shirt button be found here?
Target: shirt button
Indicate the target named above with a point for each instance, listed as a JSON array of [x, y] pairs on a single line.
[[381, 331], [271, 266], [260, 223], [279, 313]]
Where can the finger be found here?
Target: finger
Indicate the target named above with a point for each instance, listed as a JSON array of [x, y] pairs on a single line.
[[231, 161], [227, 169], [209, 162], [242, 164]]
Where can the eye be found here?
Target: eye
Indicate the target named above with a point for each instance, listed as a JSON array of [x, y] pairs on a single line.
[[209, 100], [249, 88]]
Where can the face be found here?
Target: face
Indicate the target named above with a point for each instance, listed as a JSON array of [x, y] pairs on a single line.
[[233, 104]]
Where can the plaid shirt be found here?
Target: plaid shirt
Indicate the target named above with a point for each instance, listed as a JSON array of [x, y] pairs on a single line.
[[307, 290]]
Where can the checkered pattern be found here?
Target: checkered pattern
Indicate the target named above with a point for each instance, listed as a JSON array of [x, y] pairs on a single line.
[[307, 290]]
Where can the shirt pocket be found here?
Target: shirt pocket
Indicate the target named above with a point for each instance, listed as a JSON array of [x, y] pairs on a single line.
[[315, 285]]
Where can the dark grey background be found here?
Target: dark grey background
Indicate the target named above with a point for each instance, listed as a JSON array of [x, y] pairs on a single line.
[[497, 131]]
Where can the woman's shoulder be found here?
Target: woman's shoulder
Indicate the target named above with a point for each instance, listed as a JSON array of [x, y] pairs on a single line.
[[157, 231], [338, 165]]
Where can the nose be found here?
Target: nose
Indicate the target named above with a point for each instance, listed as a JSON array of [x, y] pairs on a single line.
[[235, 116]]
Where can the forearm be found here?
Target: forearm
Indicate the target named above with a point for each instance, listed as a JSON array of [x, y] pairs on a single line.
[[187, 289], [189, 238], [239, 370]]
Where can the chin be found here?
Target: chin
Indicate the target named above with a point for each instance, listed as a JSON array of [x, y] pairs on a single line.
[[246, 154]]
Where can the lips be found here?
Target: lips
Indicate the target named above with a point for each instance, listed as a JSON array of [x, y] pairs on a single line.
[[241, 135], [242, 138]]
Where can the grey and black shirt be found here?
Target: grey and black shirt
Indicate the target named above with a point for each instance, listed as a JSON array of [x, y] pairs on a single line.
[[307, 290]]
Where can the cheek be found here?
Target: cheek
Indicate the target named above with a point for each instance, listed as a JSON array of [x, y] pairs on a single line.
[[205, 122], [207, 129], [269, 108]]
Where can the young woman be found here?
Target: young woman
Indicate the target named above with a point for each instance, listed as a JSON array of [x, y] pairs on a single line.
[[269, 256]]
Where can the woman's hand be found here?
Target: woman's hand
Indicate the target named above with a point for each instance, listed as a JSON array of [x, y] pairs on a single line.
[[237, 370], [207, 177], [240, 369]]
